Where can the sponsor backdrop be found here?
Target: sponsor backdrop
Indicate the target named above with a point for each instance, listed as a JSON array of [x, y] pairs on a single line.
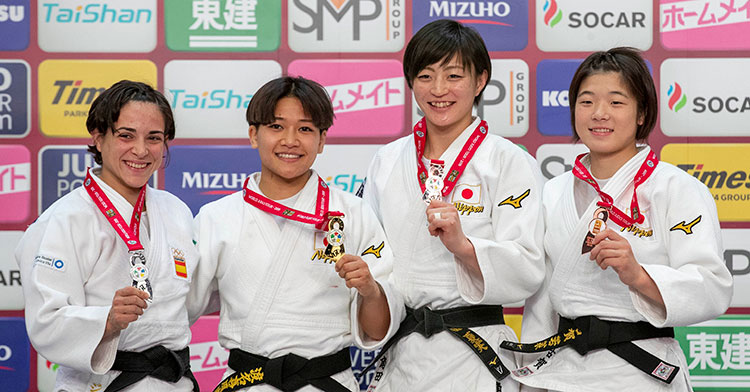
[[210, 56]]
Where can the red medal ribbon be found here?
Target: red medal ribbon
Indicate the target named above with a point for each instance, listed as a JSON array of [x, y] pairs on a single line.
[[128, 233], [467, 152], [617, 216], [319, 219]]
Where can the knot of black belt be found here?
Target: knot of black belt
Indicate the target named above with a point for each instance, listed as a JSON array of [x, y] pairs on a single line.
[[289, 372], [589, 333], [158, 362], [428, 322], [456, 321]]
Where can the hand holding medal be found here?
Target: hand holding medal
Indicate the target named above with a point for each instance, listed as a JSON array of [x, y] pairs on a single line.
[[444, 223], [597, 224], [127, 305], [606, 208], [357, 275]]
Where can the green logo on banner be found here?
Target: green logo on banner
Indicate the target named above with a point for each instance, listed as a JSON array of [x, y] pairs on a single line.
[[222, 25], [718, 353]]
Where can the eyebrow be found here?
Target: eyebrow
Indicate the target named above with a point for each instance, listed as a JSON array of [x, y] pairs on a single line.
[[133, 130], [615, 92], [277, 118], [429, 67]]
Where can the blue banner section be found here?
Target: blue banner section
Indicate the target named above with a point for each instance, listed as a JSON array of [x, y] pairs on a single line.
[[360, 360], [14, 97], [201, 174], [553, 81], [15, 355], [14, 24], [504, 25]]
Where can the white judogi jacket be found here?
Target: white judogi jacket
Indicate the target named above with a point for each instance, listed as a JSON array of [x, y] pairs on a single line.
[[686, 264], [499, 199], [278, 293], [72, 262]]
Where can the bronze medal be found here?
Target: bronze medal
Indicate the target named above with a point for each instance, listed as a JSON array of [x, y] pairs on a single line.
[[597, 224]]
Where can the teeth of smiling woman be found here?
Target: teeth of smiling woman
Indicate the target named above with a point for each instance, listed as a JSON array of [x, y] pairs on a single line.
[[136, 165], [440, 104], [290, 156], [607, 130]]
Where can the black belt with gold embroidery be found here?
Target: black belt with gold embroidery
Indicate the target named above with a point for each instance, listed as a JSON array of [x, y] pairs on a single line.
[[457, 321], [287, 373], [158, 362], [589, 333]]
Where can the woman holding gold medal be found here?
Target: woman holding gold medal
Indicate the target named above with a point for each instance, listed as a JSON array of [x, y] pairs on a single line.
[[300, 268], [106, 268], [633, 248], [462, 210]]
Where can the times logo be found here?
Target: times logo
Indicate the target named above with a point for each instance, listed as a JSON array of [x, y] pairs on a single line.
[[68, 87], [723, 168], [346, 25]]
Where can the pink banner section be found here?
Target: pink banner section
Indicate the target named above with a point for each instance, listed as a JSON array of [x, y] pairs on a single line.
[[207, 358]]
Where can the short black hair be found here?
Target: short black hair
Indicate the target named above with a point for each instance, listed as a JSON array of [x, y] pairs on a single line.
[[444, 39], [105, 110], [313, 97], [634, 72]]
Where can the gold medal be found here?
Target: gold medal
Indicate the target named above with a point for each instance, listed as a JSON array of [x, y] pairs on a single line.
[[334, 239]]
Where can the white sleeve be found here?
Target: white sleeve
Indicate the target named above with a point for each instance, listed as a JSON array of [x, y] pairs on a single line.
[[204, 295], [694, 282], [56, 257], [376, 252], [512, 260]]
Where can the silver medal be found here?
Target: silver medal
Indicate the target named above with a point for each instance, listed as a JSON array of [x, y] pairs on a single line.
[[433, 187], [139, 272]]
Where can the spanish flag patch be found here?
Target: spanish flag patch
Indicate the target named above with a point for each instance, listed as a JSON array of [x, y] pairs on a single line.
[[180, 268]]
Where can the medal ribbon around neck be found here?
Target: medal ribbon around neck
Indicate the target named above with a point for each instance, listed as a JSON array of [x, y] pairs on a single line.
[[319, 218], [128, 233], [618, 216], [454, 173]]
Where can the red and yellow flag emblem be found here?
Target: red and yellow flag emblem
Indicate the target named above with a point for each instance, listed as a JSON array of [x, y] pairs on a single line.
[[180, 268]]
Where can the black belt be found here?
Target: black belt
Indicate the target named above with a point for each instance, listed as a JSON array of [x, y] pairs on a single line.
[[287, 373], [590, 333], [157, 362], [457, 321]]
